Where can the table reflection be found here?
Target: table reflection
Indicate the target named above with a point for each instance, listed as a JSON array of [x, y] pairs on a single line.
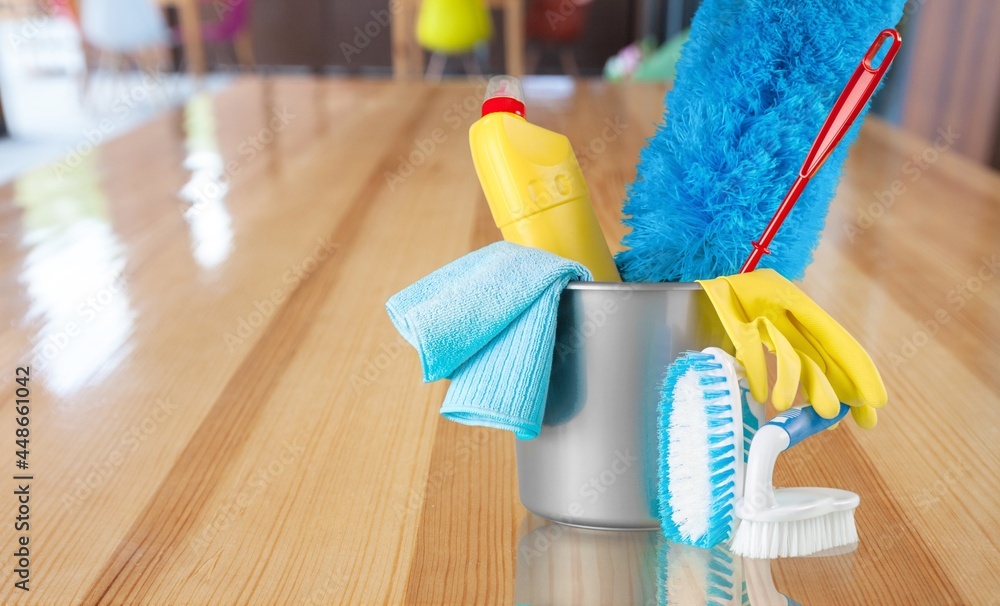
[[559, 564], [210, 224], [73, 273]]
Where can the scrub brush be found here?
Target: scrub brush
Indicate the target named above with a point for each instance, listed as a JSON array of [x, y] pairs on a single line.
[[790, 522], [704, 413]]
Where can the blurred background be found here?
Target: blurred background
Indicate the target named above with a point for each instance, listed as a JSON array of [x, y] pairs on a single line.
[[97, 68]]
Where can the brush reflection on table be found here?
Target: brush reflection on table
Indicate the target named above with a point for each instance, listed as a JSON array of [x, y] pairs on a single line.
[[559, 564]]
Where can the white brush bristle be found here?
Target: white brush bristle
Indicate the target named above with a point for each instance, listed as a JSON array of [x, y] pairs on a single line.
[[766, 540], [689, 462]]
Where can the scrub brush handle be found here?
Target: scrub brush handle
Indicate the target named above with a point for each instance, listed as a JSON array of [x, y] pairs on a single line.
[[848, 107], [776, 436], [802, 422]]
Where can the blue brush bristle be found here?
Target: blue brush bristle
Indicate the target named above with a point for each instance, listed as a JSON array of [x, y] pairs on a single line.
[[720, 442], [754, 84], [751, 423], [721, 577], [676, 565]]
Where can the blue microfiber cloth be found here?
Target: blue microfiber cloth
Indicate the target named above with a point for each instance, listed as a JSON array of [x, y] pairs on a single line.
[[487, 321], [754, 84]]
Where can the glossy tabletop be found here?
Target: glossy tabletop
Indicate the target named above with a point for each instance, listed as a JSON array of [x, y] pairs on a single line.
[[222, 413]]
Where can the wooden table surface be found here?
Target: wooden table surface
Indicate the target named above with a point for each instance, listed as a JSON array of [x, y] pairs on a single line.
[[222, 413]]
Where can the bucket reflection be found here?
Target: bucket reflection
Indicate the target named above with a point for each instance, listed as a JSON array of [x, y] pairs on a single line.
[[565, 565]]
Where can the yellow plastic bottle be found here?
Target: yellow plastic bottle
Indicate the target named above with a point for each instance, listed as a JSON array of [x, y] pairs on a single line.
[[534, 184]]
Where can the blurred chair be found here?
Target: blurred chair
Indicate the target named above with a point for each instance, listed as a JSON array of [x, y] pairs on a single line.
[[122, 34], [407, 54], [556, 24], [452, 27], [124, 27], [189, 16], [232, 28]]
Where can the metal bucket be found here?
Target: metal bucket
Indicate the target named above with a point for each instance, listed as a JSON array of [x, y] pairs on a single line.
[[594, 463]]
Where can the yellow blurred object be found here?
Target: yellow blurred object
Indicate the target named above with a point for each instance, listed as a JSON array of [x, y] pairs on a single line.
[[534, 184], [763, 308], [453, 27]]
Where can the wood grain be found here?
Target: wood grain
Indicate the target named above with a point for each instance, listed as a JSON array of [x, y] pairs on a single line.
[[237, 421]]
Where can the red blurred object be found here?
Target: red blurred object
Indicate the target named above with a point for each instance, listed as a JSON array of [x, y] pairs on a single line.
[[67, 9], [556, 21], [849, 105]]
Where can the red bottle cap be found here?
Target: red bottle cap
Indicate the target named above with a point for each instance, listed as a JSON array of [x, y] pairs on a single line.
[[504, 94]]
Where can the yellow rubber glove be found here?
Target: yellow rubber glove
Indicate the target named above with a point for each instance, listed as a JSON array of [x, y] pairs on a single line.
[[763, 308]]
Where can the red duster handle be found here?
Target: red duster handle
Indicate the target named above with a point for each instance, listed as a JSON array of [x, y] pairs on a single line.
[[849, 105]]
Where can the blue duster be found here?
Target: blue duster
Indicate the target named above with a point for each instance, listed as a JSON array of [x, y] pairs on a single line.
[[754, 84]]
